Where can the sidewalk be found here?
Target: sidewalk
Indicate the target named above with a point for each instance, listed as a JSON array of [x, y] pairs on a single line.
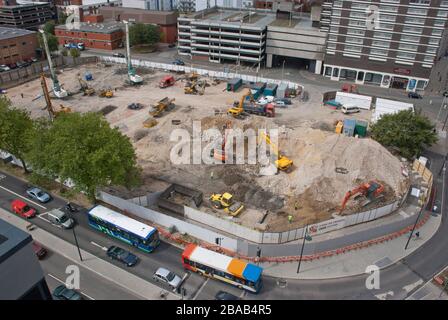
[[430, 291], [354, 263], [101, 267]]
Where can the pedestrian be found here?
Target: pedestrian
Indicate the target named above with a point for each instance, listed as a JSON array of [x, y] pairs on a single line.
[[296, 206], [417, 235], [290, 218]]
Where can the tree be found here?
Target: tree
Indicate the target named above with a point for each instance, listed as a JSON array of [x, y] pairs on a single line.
[[49, 27], [140, 34], [62, 17], [53, 44], [407, 131], [85, 149], [16, 127], [75, 53]]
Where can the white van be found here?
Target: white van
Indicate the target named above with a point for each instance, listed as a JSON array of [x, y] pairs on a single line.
[[349, 109], [60, 218]]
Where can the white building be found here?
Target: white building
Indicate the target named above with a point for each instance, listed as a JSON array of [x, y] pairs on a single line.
[[198, 5], [157, 5]]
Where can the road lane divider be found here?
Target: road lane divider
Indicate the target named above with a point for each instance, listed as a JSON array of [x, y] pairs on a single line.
[[24, 198], [98, 245]]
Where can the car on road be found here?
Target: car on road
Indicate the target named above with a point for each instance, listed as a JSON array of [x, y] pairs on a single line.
[[38, 194], [178, 62], [4, 67], [63, 293], [436, 206], [22, 209], [222, 295], [166, 276], [39, 250], [414, 95], [60, 218], [118, 55], [122, 255], [285, 100]]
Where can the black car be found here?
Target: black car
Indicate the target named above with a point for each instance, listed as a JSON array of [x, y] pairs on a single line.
[[119, 55], [122, 255], [64, 293], [178, 62], [414, 95], [222, 295]]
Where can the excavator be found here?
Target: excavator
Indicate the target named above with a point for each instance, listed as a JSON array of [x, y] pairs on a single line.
[[282, 162], [85, 88], [192, 88], [52, 113], [237, 110], [165, 104], [106, 93], [371, 190], [225, 201]]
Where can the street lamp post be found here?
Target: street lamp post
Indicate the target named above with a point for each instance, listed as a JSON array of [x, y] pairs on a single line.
[[77, 245], [413, 228], [283, 69], [305, 237]]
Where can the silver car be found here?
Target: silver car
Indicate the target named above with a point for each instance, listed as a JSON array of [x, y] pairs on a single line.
[[168, 277], [38, 194]]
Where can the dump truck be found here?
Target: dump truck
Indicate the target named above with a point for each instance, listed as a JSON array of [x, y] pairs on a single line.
[[166, 104], [166, 82], [267, 110]]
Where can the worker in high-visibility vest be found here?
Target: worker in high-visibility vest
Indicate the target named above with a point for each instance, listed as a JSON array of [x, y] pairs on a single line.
[[290, 218]]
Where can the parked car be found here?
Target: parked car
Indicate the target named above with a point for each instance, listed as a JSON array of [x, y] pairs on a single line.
[[280, 104], [63, 293], [171, 45], [414, 95], [445, 94], [349, 109], [81, 46], [178, 62], [22, 209], [60, 218], [12, 65], [122, 255], [166, 276], [38, 194], [285, 100], [39, 250], [71, 45], [222, 295], [118, 55], [436, 206], [4, 67], [135, 106], [34, 60]]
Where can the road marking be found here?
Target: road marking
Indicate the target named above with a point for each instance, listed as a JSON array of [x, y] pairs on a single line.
[[59, 280], [98, 245], [403, 214], [200, 289], [40, 216], [408, 288], [26, 199], [383, 296], [243, 294]]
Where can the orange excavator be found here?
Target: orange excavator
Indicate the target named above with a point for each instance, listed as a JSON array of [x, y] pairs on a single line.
[[372, 191]]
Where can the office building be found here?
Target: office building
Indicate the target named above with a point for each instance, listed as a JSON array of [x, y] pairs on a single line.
[[17, 45], [25, 16]]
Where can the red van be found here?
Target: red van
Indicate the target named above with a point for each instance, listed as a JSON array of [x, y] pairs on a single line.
[[22, 209]]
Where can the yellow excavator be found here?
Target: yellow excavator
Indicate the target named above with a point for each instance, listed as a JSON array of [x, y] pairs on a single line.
[[282, 162], [194, 87], [225, 201], [49, 106], [166, 104], [237, 109], [106, 93], [85, 88]]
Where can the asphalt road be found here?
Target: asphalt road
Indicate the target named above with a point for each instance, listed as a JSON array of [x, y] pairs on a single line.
[[92, 286]]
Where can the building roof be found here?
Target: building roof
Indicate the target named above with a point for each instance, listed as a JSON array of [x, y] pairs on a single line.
[[8, 33], [12, 239], [103, 27], [139, 15]]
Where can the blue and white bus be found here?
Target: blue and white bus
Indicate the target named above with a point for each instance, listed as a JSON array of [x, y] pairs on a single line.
[[126, 229]]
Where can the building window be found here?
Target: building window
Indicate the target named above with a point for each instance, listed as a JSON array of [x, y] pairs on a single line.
[[392, 9], [383, 35], [409, 47], [405, 55], [437, 32], [442, 14], [415, 39], [439, 23], [353, 48], [413, 20], [354, 40], [409, 29], [356, 32], [379, 52], [384, 44], [418, 11]]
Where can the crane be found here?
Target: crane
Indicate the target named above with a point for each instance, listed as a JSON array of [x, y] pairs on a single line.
[[52, 113], [282, 162], [57, 88], [372, 191], [237, 110], [133, 77]]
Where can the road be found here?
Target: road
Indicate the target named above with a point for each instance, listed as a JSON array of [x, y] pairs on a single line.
[[397, 281], [92, 286]]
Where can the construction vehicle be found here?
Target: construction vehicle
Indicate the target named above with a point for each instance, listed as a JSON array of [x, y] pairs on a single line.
[[243, 106], [219, 151], [194, 87], [49, 106], [192, 76], [149, 123], [85, 88], [165, 104], [166, 82], [349, 88], [339, 127], [58, 91], [237, 110], [281, 162], [106, 93], [225, 201], [133, 77], [371, 191]]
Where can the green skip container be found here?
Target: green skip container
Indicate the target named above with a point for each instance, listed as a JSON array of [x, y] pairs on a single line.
[[361, 128]]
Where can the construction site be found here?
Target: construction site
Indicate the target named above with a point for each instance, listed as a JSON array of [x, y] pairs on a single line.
[[319, 173]]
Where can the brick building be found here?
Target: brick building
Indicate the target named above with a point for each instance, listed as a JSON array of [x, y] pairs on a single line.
[[106, 36], [24, 16], [166, 20], [17, 44]]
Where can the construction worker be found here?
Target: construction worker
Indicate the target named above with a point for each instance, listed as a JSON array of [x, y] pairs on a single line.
[[296, 206], [290, 218]]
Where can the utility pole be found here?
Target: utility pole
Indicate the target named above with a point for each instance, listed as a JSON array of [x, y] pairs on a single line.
[[77, 245], [305, 237], [283, 69], [413, 228]]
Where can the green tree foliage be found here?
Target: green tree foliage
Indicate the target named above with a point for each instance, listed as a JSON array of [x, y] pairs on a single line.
[[406, 131], [75, 53], [16, 127], [62, 17], [52, 42], [85, 149], [140, 33], [49, 27]]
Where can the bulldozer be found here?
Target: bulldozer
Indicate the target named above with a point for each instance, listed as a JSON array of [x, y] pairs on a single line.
[[106, 93], [282, 162], [370, 191], [85, 88], [166, 104], [225, 201]]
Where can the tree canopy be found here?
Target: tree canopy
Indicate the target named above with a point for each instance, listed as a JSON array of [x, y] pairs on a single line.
[[75, 53], [53, 44], [16, 127], [85, 149], [49, 27], [406, 131], [140, 33]]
